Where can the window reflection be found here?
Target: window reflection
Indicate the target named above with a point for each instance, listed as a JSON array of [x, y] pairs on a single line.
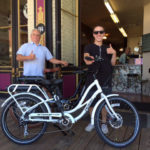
[[5, 33], [5, 11], [6, 29], [22, 23], [24, 35], [5, 51], [23, 29]]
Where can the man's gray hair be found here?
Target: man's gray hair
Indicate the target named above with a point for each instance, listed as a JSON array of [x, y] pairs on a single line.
[[35, 29]]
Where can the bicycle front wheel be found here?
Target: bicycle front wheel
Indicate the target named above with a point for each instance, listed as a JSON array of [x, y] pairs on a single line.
[[15, 128], [117, 133]]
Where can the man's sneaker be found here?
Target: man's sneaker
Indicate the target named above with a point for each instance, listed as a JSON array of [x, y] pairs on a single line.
[[104, 128], [89, 128]]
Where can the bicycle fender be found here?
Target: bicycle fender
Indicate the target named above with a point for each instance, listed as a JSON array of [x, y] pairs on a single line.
[[97, 104], [6, 101], [13, 97]]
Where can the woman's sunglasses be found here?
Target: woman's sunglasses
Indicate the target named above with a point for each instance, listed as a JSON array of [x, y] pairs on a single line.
[[101, 32]]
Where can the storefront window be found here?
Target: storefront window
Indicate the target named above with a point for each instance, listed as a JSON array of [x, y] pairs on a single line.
[[6, 29], [22, 23], [5, 33]]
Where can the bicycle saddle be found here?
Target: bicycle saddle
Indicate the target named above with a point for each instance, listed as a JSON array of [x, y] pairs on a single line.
[[56, 81], [38, 80]]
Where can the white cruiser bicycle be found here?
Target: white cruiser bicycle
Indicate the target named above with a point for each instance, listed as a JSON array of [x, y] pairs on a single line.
[[30, 108]]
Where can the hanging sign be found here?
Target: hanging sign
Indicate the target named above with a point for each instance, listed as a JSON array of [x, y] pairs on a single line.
[[41, 27]]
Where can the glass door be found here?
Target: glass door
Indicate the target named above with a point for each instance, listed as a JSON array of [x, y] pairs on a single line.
[[13, 33], [6, 68], [22, 30]]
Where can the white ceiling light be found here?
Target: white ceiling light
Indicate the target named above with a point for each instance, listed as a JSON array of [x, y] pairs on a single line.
[[112, 14], [121, 49], [114, 18], [123, 32], [108, 7]]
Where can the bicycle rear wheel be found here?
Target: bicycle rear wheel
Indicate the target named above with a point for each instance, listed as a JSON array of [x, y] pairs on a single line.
[[121, 132], [18, 130]]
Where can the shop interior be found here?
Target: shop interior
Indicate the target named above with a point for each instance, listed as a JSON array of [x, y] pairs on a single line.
[[123, 24], [129, 18]]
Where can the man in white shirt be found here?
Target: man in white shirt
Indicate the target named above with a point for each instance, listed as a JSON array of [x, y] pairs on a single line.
[[34, 55]]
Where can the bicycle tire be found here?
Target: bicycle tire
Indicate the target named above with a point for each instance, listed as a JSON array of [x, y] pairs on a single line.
[[12, 129], [120, 133]]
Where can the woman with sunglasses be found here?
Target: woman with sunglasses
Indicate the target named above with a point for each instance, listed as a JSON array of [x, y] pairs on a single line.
[[108, 57]]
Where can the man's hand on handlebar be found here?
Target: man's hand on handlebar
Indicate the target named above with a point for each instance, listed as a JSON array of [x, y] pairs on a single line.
[[89, 59], [46, 70], [64, 63], [92, 59]]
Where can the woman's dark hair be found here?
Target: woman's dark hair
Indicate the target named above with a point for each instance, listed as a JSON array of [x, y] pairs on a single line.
[[98, 26]]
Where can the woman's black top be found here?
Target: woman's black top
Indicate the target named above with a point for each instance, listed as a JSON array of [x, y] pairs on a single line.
[[104, 67]]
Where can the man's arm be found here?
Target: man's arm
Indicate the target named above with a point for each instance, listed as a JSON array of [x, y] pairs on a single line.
[[87, 62], [110, 50], [113, 59], [23, 58], [56, 61]]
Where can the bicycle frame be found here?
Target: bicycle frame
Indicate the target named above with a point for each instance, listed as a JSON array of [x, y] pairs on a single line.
[[55, 116], [88, 103]]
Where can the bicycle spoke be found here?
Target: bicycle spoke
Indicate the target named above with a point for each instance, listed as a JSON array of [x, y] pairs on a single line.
[[120, 132], [18, 130]]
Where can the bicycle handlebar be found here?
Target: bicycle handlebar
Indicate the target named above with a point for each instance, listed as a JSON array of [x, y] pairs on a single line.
[[96, 59]]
